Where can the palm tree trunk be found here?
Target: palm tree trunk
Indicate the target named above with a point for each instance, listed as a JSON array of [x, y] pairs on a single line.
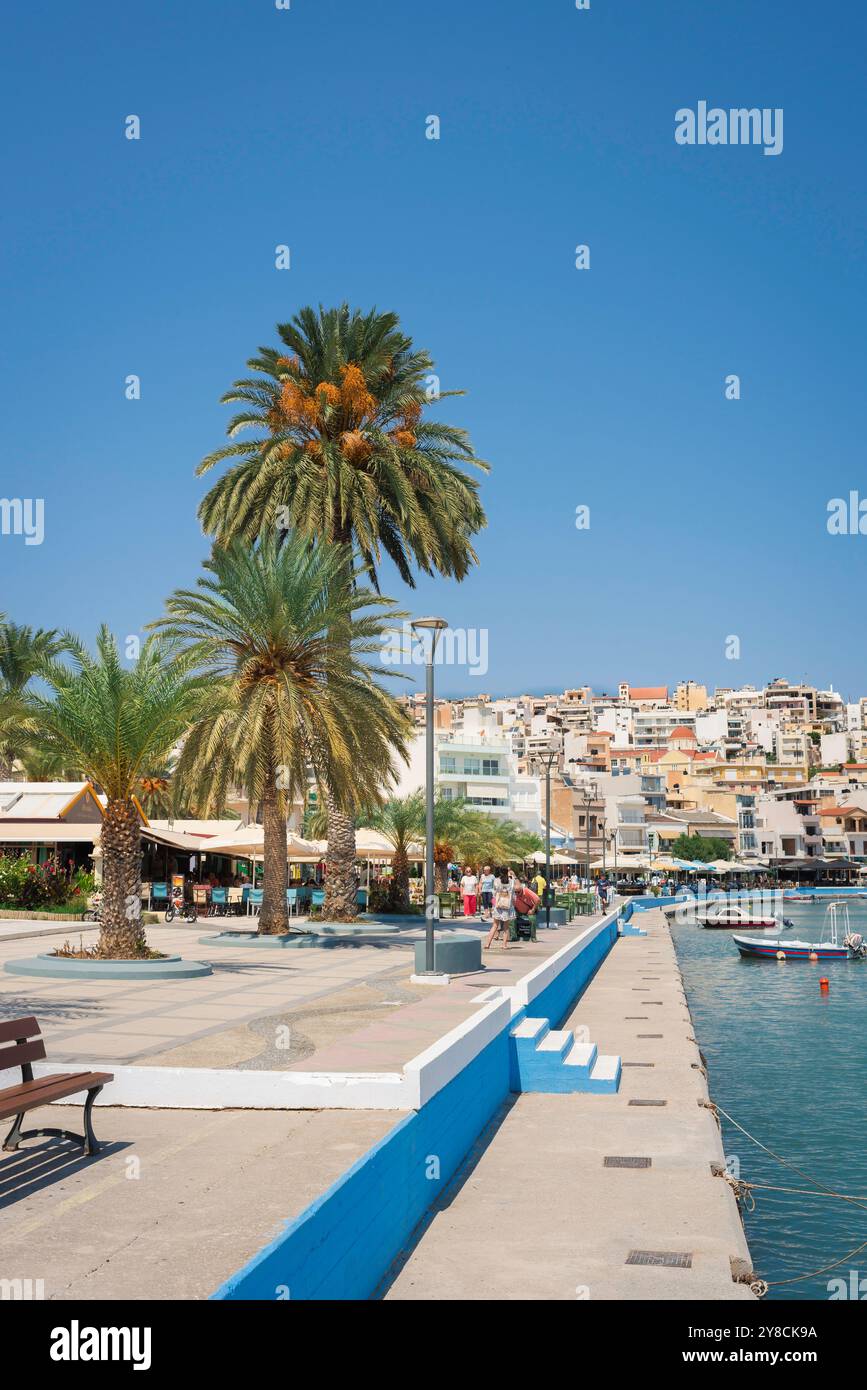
[[274, 915], [341, 896], [122, 932], [400, 879], [341, 893]]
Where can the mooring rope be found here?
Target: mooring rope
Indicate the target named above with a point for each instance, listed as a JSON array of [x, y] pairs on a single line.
[[744, 1190]]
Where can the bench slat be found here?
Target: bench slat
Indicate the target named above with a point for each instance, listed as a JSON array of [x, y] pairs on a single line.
[[15, 1028], [30, 1095], [19, 1053]]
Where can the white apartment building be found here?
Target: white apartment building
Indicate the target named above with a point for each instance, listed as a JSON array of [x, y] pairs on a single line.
[[479, 768], [652, 728], [792, 746], [625, 826]]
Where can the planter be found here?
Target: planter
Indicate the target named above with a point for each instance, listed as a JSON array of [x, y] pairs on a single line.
[[323, 935], [26, 914], [251, 938], [453, 954], [69, 968]]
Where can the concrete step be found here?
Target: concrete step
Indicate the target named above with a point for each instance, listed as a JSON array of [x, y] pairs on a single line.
[[558, 1042], [604, 1078], [581, 1055], [531, 1029]]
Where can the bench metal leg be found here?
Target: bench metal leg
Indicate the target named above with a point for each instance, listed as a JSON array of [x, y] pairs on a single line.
[[87, 1140], [13, 1138]]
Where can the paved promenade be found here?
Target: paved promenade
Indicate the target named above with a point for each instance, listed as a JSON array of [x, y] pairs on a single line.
[[348, 1006], [535, 1213], [175, 1203], [180, 1199]]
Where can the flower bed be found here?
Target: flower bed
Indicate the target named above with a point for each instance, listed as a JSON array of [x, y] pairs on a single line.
[[29, 887]]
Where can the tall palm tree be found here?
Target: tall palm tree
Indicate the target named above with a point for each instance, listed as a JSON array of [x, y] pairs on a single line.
[[343, 450], [114, 721], [24, 651], [282, 698]]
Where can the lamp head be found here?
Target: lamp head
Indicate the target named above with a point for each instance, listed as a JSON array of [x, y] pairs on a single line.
[[434, 624]]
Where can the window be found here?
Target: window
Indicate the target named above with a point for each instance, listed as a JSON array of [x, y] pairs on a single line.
[[491, 767], [447, 764], [472, 766]]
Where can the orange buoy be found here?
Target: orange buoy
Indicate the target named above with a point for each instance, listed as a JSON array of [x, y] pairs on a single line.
[[813, 956], [823, 984], [781, 955]]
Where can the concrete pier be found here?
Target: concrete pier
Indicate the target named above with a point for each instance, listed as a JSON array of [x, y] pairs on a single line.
[[540, 1211]]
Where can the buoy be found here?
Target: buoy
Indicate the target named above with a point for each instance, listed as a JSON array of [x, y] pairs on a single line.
[[823, 984], [781, 955], [813, 956]]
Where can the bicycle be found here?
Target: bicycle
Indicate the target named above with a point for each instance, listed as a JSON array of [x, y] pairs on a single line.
[[176, 907], [93, 911]]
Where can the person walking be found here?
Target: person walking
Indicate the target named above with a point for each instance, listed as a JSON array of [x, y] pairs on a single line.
[[503, 912], [486, 888], [540, 883], [469, 891]]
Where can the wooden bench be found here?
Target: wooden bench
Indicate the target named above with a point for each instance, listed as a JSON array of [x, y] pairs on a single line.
[[30, 1094]]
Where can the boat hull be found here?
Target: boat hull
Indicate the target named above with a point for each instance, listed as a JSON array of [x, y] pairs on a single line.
[[792, 950], [757, 925]]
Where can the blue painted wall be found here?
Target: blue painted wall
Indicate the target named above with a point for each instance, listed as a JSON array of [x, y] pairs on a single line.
[[344, 1243]]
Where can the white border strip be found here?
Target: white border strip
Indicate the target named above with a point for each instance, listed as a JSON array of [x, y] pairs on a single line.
[[211, 1088]]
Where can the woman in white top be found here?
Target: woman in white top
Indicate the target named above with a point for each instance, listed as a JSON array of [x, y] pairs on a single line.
[[469, 891], [503, 912]]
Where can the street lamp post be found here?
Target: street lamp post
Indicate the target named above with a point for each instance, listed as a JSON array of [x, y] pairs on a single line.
[[434, 626], [546, 763], [589, 799]]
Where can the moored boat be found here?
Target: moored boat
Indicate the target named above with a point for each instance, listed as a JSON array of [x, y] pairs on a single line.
[[732, 915], [828, 947]]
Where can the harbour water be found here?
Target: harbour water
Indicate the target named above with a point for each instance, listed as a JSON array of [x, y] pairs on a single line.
[[787, 1062]]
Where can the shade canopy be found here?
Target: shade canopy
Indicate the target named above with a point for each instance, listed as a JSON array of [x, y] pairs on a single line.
[[558, 858], [250, 841]]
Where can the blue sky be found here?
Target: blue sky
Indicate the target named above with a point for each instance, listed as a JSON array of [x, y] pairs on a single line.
[[602, 388]]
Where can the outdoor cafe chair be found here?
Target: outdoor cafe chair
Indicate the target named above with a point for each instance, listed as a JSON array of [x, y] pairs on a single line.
[[219, 902], [254, 901], [159, 893], [236, 898]]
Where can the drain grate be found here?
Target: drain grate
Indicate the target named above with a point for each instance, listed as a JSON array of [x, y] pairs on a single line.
[[638, 1064], [670, 1259], [648, 1102], [611, 1162], [634, 1018], [649, 1035]]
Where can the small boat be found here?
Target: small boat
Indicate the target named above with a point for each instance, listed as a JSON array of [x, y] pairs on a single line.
[[797, 897], [731, 915], [828, 947]]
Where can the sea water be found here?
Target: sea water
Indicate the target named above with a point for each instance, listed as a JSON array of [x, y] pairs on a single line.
[[787, 1061]]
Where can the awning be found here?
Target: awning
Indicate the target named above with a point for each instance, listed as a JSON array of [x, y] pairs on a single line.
[[173, 839], [50, 833]]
